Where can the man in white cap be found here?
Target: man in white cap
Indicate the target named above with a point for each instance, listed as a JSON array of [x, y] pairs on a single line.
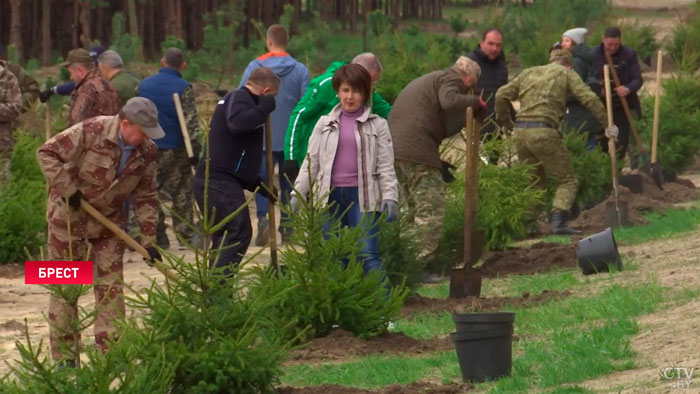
[[577, 118], [104, 160]]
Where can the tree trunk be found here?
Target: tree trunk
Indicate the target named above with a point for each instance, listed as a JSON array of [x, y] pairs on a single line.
[[149, 29], [84, 18], [46, 32], [16, 26], [170, 17], [133, 24]]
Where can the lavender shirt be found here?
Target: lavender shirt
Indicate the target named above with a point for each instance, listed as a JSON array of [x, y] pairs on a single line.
[[344, 173]]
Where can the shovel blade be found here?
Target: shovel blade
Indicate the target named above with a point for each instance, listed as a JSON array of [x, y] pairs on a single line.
[[657, 175]]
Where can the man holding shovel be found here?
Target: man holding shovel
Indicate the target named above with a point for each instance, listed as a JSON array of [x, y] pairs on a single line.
[[542, 92], [105, 161], [627, 67]]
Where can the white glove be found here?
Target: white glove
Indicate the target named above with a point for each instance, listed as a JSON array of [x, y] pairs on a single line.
[[611, 132], [391, 208], [294, 203]]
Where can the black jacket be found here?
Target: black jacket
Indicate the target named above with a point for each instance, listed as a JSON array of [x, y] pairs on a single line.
[[494, 74], [236, 138], [627, 66]]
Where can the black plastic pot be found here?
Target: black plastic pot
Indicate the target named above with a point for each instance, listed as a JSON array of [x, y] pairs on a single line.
[[632, 182], [476, 322], [597, 252], [484, 355]]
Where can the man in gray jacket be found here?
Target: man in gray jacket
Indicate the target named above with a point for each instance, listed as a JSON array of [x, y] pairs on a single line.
[[428, 110]]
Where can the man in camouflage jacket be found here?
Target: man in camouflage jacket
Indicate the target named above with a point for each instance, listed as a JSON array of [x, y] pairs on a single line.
[[104, 160], [10, 104], [542, 92], [27, 84], [93, 95]]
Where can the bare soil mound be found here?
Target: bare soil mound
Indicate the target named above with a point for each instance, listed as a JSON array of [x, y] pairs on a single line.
[[651, 199], [413, 388], [341, 344], [540, 257], [418, 304]]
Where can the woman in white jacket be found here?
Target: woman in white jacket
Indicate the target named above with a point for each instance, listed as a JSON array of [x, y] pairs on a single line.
[[351, 156]]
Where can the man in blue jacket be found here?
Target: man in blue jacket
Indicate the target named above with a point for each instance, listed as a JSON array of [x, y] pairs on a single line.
[[235, 156], [294, 77], [174, 172]]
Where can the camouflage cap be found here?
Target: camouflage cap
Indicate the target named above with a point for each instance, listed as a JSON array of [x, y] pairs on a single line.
[[468, 66], [560, 54], [143, 112], [79, 55]]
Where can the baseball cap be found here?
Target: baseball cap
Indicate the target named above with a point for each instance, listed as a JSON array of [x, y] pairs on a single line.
[[96, 51], [143, 112], [79, 55], [468, 66]]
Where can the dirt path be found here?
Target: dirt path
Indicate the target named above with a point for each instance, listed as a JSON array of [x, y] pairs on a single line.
[[19, 301]]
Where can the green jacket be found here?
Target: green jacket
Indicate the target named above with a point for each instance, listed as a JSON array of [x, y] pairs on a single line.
[[126, 86], [542, 91], [319, 100]]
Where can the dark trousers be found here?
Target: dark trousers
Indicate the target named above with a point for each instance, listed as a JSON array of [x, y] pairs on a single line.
[[225, 195], [285, 187]]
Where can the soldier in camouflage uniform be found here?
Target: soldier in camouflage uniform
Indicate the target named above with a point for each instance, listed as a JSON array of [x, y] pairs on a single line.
[[27, 84], [428, 110], [10, 104], [542, 92], [174, 167], [104, 160], [93, 95]]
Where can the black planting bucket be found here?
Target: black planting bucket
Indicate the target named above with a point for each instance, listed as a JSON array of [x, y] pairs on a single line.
[[484, 355], [476, 322], [632, 182], [597, 252]]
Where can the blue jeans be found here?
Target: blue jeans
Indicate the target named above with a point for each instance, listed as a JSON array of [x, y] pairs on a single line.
[[345, 198], [260, 201]]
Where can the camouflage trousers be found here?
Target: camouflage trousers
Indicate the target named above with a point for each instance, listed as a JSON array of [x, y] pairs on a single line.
[[422, 192], [175, 179], [545, 148], [7, 142], [107, 255]]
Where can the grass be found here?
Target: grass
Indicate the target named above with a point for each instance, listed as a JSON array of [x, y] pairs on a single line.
[[376, 371], [562, 342], [662, 225]]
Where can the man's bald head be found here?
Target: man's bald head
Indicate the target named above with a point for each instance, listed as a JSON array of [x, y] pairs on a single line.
[[371, 63]]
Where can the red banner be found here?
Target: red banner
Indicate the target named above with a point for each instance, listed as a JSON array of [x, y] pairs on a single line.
[[58, 273]]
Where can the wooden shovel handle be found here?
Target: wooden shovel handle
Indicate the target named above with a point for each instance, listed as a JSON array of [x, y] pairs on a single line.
[[657, 103], [611, 142], [270, 187], [121, 234]]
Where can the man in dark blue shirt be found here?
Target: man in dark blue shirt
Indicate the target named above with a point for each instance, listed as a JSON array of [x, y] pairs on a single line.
[[235, 155]]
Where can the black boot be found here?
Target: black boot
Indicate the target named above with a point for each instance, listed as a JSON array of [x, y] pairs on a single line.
[[162, 239], [558, 224]]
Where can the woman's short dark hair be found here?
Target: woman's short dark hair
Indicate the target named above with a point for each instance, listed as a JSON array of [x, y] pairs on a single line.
[[356, 76]]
